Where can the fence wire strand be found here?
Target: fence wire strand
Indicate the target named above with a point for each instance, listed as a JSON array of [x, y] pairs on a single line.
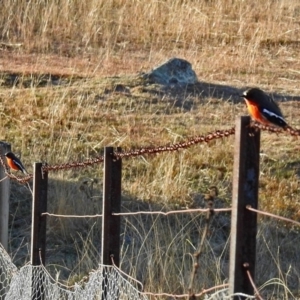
[[289, 129], [71, 216], [197, 254], [246, 266], [147, 150], [260, 212], [124, 154], [134, 153], [19, 282], [203, 292], [175, 147], [195, 210]]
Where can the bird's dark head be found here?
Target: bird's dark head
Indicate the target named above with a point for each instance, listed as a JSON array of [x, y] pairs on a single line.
[[9, 155], [253, 94]]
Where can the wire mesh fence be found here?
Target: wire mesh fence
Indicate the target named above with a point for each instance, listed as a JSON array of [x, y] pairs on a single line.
[[157, 248], [171, 248], [7, 270], [34, 282]]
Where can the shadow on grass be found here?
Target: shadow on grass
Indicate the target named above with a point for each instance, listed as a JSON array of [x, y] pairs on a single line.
[[150, 244], [157, 250], [125, 84]]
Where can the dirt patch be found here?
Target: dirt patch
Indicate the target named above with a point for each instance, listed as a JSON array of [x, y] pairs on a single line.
[[19, 62]]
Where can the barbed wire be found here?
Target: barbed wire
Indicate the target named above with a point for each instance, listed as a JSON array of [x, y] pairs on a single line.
[[175, 147], [124, 154], [292, 131], [23, 179], [3, 164], [74, 165], [148, 150], [145, 150], [20, 179], [157, 150]]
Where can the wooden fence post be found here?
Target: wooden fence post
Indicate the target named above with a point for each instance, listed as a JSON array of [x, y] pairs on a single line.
[[4, 199], [243, 221], [111, 203], [38, 230], [4, 212]]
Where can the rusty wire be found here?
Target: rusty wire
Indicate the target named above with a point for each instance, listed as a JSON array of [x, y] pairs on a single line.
[[246, 266], [122, 272], [4, 165], [148, 150], [204, 291], [123, 214], [273, 129], [126, 154], [193, 210], [144, 150], [23, 179], [198, 252], [272, 215], [181, 145], [72, 165]]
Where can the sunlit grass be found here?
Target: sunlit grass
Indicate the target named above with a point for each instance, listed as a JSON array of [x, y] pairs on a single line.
[[89, 103]]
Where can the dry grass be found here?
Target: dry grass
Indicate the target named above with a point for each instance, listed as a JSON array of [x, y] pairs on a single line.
[[79, 110]]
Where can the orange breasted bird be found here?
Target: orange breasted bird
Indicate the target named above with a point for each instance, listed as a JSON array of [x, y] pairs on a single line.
[[263, 108], [14, 163]]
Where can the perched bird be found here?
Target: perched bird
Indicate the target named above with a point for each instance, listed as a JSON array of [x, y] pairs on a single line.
[[14, 163], [263, 108]]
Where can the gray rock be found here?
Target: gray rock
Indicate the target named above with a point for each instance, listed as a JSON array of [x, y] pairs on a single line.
[[173, 71]]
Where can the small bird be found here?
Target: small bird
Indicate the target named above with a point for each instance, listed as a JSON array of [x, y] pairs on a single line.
[[14, 163], [263, 108]]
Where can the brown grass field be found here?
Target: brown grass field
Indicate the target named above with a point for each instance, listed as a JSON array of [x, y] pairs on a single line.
[[69, 86]]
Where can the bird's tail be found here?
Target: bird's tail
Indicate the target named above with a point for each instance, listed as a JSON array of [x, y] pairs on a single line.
[[24, 171]]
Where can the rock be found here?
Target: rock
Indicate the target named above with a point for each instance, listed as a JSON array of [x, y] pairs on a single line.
[[173, 71]]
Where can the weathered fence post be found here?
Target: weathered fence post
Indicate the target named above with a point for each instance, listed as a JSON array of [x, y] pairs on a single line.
[[4, 198], [4, 212], [38, 230], [243, 221], [111, 204]]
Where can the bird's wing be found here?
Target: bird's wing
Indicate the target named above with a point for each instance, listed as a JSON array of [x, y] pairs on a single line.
[[271, 111], [273, 117], [19, 164]]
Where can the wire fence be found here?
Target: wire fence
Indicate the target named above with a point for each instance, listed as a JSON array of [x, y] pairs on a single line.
[[110, 282], [34, 282], [148, 150], [18, 284]]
